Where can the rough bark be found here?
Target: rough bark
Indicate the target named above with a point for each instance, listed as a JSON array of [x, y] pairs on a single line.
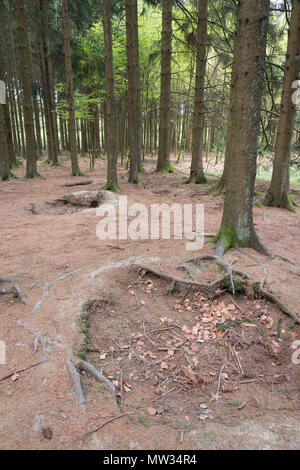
[[110, 105], [134, 100], [4, 163], [26, 74], [278, 194], [163, 162], [197, 172], [237, 228], [70, 93]]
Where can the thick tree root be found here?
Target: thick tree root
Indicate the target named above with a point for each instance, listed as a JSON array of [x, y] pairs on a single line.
[[89, 368], [76, 381], [202, 285], [15, 290], [260, 289], [21, 294], [218, 260]]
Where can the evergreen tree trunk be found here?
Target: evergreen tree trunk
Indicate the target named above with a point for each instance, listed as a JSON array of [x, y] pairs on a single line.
[[163, 162], [237, 228], [197, 172], [4, 164], [26, 73], [134, 99], [278, 194], [70, 93], [110, 105], [10, 147]]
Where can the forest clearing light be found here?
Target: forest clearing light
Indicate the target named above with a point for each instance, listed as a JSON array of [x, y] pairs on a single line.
[[136, 222]]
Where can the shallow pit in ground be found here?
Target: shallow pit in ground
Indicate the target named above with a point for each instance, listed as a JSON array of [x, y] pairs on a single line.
[[182, 358]]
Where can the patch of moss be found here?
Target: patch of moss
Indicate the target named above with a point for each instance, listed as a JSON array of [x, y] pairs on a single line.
[[228, 236], [112, 186], [168, 169]]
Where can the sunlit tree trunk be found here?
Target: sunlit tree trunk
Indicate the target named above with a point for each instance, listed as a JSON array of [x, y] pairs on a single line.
[[278, 194], [237, 226]]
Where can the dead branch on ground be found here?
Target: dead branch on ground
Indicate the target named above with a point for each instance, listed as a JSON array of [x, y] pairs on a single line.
[[23, 370]]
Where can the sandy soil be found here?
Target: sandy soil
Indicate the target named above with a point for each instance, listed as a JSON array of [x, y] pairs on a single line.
[[40, 244]]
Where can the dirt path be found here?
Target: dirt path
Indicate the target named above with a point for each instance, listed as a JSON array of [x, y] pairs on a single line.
[[40, 246]]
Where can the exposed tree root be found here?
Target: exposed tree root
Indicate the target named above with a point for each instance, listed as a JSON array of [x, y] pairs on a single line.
[[76, 381], [260, 289], [21, 294], [15, 290], [10, 279], [202, 285], [87, 367], [5, 291]]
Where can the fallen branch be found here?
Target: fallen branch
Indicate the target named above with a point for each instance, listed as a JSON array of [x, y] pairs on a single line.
[[76, 381], [23, 370], [87, 367], [104, 424], [81, 183]]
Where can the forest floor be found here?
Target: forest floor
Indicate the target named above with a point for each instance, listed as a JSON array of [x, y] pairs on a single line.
[[196, 371]]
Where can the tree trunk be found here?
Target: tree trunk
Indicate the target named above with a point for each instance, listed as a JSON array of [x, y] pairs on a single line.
[[134, 98], [26, 73], [110, 105], [197, 172], [278, 194], [4, 164], [70, 93], [237, 227], [163, 162]]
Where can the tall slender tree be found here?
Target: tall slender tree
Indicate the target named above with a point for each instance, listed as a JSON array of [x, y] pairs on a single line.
[[70, 92], [278, 194], [134, 100], [26, 75], [110, 107], [237, 226], [163, 162], [4, 161], [197, 172]]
